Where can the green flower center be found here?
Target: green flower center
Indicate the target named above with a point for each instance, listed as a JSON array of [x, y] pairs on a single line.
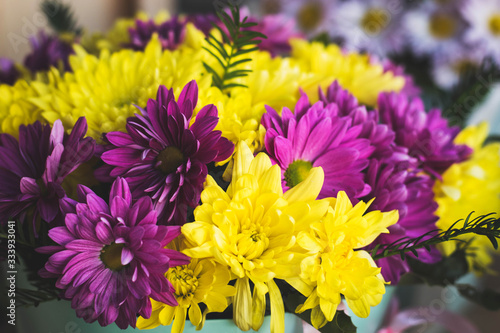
[[310, 15], [297, 172], [111, 256], [43, 189], [183, 280], [494, 24], [170, 159], [374, 21], [442, 26]]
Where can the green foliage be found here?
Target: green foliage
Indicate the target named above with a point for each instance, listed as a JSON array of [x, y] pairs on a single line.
[[240, 40], [484, 225], [60, 17]]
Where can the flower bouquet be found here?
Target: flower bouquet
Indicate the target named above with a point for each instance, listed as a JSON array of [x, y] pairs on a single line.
[[172, 169]]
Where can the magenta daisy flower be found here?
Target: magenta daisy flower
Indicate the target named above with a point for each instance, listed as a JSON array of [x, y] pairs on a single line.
[[171, 33], [427, 136], [111, 259], [394, 187], [318, 135], [164, 156], [33, 169]]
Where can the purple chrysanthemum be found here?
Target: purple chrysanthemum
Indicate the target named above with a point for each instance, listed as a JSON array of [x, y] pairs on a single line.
[[278, 29], [8, 71], [33, 169], [204, 21], [164, 156], [427, 136], [380, 135], [394, 187], [48, 51], [171, 33], [318, 135], [111, 259]]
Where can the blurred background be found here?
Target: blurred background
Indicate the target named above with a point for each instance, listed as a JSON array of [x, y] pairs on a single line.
[[436, 54]]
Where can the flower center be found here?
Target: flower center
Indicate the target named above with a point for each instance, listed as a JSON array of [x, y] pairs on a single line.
[[375, 20], [494, 24], [44, 192], [169, 159], [310, 15], [251, 244], [297, 172], [111, 256], [442, 26], [183, 280]]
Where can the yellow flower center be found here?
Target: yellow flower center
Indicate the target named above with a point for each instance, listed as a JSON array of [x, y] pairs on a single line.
[[111, 256], [442, 26], [310, 15], [463, 66], [297, 172], [170, 159], [183, 280], [494, 24], [375, 20], [251, 244]]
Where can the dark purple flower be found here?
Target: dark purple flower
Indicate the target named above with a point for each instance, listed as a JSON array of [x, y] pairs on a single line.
[[318, 135], [171, 33], [427, 136], [33, 169], [48, 51], [164, 156], [8, 71], [394, 187], [204, 21], [111, 259]]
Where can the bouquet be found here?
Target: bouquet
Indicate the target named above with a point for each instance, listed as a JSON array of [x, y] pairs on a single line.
[[171, 169]]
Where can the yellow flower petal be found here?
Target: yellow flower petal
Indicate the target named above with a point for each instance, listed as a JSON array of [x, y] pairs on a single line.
[[308, 189]]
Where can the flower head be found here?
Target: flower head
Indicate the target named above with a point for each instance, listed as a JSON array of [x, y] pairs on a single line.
[[314, 136], [355, 72], [111, 258], [279, 30], [32, 169], [483, 18], [250, 230], [171, 33], [371, 25], [8, 71], [164, 155], [427, 135], [334, 265], [394, 187], [472, 185], [105, 88], [48, 51], [200, 281]]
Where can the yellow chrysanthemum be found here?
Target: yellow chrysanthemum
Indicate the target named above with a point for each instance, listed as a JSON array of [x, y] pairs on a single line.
[[16, 107], [250, 229], [201, 281], [473, 185], [354, 71], [272, 81], [333, 265], [104, 89]]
